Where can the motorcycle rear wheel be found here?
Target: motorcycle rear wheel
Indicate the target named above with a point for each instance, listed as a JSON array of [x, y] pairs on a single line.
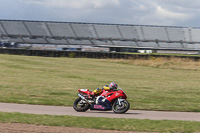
[[80, 107], [120, 109]]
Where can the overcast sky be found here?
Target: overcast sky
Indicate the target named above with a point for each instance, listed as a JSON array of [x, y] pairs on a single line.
[[140, 12]]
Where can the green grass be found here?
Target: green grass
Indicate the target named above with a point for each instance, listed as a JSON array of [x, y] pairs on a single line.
[[103, 123], [155, 85]]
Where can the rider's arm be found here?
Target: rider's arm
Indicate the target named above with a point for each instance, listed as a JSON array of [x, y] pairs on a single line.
[[97, 91], [106, 88]]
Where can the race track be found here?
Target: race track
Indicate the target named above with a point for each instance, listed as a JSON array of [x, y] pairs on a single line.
[[136, 114]]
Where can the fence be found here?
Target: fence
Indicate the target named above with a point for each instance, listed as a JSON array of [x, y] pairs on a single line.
[[82, 54]]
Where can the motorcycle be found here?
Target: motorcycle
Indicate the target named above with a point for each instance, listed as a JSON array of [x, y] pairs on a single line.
[[117, 98]]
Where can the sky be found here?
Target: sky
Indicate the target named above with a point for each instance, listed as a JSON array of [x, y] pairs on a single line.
[[185, 13]]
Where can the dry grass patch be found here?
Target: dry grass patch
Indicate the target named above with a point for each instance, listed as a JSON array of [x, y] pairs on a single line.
[[161, 62]]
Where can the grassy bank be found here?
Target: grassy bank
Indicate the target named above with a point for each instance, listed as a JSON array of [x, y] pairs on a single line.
[[102, 123], [155, 84]]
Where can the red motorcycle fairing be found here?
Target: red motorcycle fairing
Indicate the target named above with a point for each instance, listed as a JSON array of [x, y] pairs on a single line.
[[84, 91], [111, 95]]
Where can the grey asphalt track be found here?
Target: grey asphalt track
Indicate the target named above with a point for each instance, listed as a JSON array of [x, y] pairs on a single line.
[[136, 114]]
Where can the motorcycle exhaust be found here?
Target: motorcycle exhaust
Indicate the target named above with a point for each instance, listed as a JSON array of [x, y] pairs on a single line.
[[82, 97]]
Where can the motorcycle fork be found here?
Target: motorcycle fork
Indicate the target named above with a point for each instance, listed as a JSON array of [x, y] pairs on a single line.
[[119, 101]]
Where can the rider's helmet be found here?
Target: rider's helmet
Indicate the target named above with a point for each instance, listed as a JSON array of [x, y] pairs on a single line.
[[113, 86]]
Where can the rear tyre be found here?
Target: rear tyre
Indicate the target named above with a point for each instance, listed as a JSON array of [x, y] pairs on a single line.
[[80, 106], [120, 109]]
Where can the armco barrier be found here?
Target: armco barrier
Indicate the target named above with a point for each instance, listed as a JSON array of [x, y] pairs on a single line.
[[82, 54]]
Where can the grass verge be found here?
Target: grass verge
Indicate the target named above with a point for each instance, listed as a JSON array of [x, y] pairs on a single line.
[[103, 123], [154, 84]]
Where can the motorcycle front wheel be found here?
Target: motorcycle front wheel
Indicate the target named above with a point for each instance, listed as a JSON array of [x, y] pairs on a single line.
[[120, 109], [80, 106]]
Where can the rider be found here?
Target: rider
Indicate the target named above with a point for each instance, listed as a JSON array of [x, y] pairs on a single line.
[[102, 100]]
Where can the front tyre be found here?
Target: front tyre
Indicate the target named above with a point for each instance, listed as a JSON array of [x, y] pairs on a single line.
[[120, 109], [80, 105]]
